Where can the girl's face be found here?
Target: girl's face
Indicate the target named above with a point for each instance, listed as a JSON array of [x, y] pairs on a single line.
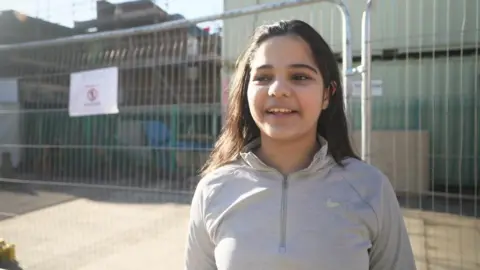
[[286, 91]]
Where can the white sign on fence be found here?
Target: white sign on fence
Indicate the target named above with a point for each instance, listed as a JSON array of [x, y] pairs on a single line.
[[377, 88], [8, 90], [94, 92]]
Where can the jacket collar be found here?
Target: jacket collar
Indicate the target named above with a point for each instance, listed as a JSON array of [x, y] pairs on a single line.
[[321, 160]]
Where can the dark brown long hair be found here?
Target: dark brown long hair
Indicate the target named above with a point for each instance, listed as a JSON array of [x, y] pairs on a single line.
[[240, 128]]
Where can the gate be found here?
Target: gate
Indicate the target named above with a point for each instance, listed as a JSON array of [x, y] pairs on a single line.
[[120, 173]]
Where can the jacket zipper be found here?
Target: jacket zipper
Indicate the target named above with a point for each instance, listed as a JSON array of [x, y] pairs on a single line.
[[283, 216]]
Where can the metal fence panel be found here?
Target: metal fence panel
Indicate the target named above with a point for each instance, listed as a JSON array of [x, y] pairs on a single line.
[[432, 90], [169, 83], [422, 115], [124, 175], [117, 171]]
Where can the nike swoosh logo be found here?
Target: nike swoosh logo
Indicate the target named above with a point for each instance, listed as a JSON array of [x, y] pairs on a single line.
[[332, 204]]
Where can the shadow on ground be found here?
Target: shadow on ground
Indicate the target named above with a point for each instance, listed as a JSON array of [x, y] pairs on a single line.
[[465, 207], [10, 266], [20, 198]]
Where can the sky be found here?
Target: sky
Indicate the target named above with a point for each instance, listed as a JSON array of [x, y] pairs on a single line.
[[66, 11]]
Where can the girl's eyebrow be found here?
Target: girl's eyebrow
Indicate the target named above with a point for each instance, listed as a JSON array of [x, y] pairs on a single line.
[[267, 66], [304, 66]]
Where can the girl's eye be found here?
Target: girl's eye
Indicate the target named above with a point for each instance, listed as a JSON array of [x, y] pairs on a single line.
[[300, 77], [262, 78]]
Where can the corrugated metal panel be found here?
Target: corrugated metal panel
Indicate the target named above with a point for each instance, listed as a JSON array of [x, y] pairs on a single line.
[[413, 25], [436, 95]]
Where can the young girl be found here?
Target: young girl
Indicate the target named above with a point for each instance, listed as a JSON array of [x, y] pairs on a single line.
[[283, 188]]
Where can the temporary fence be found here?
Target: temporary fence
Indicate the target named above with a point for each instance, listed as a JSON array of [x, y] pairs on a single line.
[[169, 99], [413, 114], [421, 115], [423, 97], [171, 75]]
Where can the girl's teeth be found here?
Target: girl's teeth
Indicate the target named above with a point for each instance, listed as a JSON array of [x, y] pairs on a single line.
[[280, 111]]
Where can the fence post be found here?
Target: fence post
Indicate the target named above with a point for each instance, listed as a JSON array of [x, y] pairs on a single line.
[[366, 95], [347, 58]]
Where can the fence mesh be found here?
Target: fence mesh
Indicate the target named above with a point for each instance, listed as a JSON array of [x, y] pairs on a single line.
[[169, 99], [114, 186], [425, 120]]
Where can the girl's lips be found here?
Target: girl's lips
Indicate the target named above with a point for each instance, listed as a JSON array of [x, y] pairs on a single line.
[[282, 115]]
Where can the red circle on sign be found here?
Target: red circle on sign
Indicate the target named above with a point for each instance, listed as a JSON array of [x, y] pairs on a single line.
[[92, 94]]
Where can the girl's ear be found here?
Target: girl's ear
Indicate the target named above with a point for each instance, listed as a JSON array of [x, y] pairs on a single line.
[[333, 88], [330, 91]]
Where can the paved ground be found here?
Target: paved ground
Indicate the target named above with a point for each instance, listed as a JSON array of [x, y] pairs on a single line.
[[119, 232], [98, 229], [444, 241]]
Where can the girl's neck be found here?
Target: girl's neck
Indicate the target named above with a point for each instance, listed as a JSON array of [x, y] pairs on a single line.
[[288, 156]]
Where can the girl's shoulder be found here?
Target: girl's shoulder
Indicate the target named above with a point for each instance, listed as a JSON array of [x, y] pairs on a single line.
[[360, 171], [214, 180], [367, 180]]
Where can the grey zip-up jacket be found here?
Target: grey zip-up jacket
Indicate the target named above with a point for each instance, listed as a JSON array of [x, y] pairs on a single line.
[[248, 216]]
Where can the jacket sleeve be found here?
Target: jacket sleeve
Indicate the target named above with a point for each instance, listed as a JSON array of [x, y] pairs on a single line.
[[199, 253], [391, 248]]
